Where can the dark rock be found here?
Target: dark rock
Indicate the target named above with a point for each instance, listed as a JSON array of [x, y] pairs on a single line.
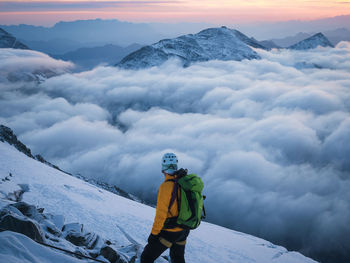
[[110, 254], [88, 240], [76, 239], [22, 225], [28, 210], [7, 135], [93, 254], [53, 230], [9, 41], [74, 233]]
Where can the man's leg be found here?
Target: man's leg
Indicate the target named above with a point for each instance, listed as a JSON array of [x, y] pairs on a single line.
[[152, 251], [177, 253]]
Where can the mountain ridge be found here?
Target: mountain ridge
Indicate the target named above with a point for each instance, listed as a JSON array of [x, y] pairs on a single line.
[[209, 44], [314, 41], [9, 41]]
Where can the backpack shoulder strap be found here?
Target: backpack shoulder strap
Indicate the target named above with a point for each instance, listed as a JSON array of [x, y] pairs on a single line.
[[174, 192]]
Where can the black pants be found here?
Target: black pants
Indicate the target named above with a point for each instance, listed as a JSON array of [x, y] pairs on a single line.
[[155, 248]]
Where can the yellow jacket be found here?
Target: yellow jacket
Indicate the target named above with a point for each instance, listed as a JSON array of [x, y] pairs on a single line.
[[163, 201]]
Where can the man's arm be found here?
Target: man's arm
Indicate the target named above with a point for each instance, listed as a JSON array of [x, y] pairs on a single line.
[[163, 201]]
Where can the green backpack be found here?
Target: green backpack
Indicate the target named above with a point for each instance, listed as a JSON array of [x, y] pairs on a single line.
[[190, 201]]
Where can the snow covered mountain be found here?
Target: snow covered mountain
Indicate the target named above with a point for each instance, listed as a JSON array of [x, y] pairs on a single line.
[[209, 44], [312, 42], [9, 41], [46, 206]]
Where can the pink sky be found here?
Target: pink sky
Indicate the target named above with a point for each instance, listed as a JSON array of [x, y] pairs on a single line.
[[210, 11]]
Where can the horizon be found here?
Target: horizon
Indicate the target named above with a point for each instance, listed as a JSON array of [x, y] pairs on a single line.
[[251, 23], [222, 12]]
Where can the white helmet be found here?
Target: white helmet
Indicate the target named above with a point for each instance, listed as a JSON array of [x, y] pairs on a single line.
[[169, 163]]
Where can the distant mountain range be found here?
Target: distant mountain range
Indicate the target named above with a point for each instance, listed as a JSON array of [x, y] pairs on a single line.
[[90, 57], [275, 30], [69, 36], [56, 45], [9, 41], [91, 33], [209, 44], [334, 36]]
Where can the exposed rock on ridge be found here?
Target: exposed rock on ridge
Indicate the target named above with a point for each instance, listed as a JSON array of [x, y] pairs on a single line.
[[312, 42], [9, 41], [209, 44]]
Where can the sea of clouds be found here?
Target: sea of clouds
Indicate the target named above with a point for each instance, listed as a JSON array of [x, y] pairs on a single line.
[[269, 137]]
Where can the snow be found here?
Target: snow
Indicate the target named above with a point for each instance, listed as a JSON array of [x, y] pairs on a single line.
[[113, 217], [312, 42], [16, 248], [209, 44]]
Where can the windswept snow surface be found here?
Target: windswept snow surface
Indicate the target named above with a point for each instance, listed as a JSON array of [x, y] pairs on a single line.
[[17, 248], [110, 215]]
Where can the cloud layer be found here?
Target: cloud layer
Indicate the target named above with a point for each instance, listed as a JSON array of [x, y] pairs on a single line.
[[269, 137], [27, 65]]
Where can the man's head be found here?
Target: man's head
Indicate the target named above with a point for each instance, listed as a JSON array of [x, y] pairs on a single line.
[[169, 163]]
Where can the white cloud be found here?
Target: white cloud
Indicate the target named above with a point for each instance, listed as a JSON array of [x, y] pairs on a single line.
[[23, 65]]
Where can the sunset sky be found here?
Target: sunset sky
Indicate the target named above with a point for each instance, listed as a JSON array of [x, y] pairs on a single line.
[[210, 11]]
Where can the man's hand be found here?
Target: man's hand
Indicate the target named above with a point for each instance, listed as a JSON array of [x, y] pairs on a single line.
[[181, 172], [152, 238]]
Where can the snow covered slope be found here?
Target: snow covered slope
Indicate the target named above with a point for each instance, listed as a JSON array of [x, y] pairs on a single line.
[[110, 215], [209, 44], [9, 41], [312, 42]]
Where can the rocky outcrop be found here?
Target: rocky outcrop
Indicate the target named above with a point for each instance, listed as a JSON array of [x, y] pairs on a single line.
[[50, 230], [7, 135], [9, 41]]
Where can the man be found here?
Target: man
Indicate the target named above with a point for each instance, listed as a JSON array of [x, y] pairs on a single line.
[[163, 237]]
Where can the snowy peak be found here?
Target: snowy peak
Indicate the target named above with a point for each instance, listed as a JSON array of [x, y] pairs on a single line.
[[9, 41], [209, 44], [312, 42]]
